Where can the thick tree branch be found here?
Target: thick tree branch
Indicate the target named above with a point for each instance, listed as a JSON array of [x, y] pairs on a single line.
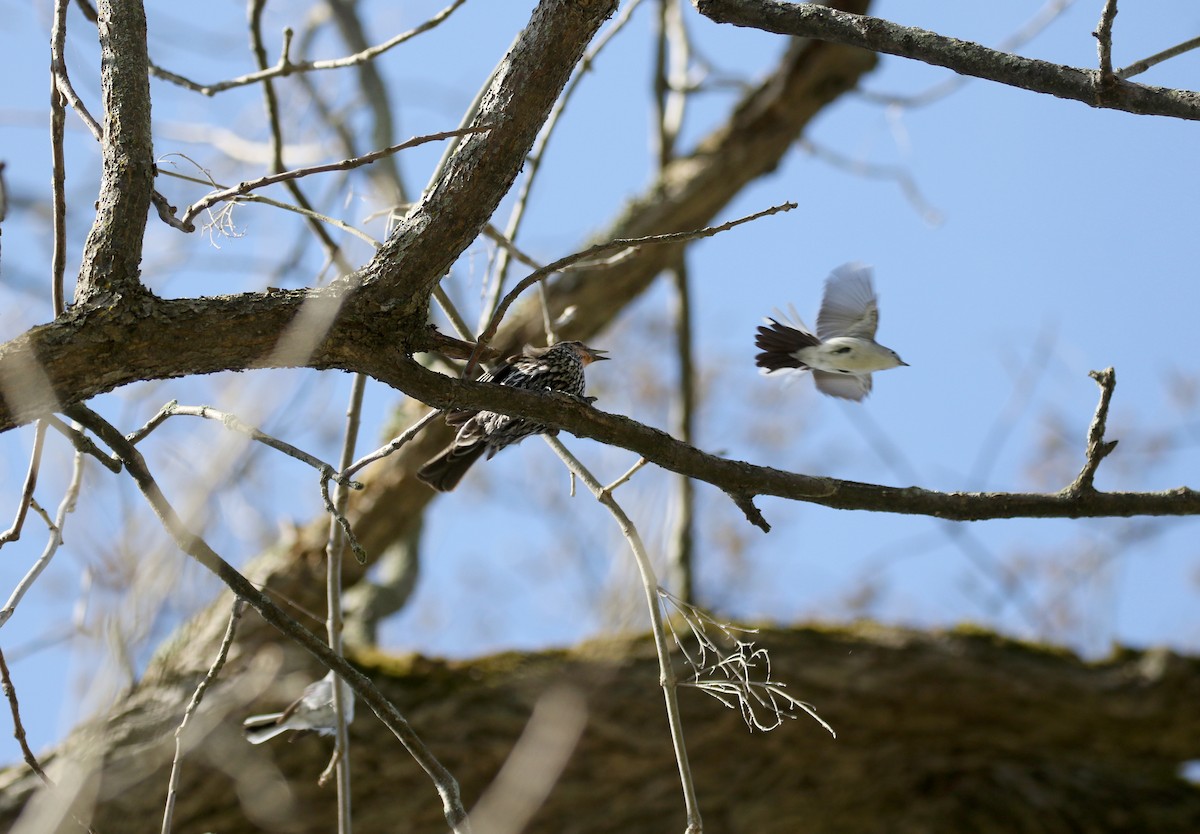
[[811, 20], [453, 211], [114, 245], [179, 338], [740, 479]]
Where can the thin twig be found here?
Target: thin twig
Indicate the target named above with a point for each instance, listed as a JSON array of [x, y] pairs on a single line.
[[681, 550], [58, 178], [244, 188], [66, 506], [286, 67], [10, 693], [670, 77], [496, 236], [1047, 14], [1103, 35], [619, 245], [737, 674], [58, 71], [334, 550], [197, 548], [382, 452], [1138, 67], [650, 588], [13, 533], [340, 519], [893, 173], [629, 473], [235, 614], [456, 319], [233, 423], [83, 443], [1097, 448], [536, 154], [271, 102]]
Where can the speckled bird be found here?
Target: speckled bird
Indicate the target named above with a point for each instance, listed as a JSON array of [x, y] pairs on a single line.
[[556, 368]]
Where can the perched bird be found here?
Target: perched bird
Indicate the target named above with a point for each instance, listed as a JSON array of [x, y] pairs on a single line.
[[313, 710], [843, 353], [556, 368]]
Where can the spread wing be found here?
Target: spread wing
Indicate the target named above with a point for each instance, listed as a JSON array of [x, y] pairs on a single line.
[[846, 386], [849, 307]]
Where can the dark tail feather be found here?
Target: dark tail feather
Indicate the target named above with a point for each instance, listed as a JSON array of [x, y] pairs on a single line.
[[778, 342], [445, 471]]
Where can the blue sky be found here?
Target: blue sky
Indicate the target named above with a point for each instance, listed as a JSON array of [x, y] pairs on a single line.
[[1066, 244]]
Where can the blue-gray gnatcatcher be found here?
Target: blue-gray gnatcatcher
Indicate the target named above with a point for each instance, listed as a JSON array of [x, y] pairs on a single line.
[[313, 710], [843, 353]]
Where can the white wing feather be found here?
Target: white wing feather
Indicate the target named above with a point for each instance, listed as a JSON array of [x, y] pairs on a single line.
[[846, 386], [849, 306]]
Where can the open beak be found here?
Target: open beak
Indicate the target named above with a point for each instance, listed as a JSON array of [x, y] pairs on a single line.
[[595, 354]]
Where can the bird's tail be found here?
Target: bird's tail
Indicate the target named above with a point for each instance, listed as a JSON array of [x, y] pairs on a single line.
[[445, 471], [778, 342], [260, 728]]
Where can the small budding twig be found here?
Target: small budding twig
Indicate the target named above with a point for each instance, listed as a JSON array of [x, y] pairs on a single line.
[[1097, 447], [286, 66], [381, 453], [244, 188]]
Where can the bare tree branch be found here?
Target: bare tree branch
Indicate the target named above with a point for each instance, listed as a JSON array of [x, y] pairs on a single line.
[[810, 20], [455, 208], [114, 245], [345, 165]]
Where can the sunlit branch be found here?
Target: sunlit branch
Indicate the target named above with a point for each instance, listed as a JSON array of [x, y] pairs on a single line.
[[813, 20]]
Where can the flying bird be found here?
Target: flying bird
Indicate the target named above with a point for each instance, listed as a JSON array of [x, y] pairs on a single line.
[[313, 710], [556, 368], [843, 354]]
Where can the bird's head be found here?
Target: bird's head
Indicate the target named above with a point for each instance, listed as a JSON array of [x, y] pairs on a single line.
[[587, 355]]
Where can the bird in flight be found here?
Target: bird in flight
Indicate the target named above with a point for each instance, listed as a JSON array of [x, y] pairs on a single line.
[[843, 353], [313, 710], [557, 368]]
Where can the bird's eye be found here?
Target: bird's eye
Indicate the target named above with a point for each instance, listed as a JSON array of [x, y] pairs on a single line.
[[843, 349]]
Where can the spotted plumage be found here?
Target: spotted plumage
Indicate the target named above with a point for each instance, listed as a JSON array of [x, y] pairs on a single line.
[[556, 368]]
